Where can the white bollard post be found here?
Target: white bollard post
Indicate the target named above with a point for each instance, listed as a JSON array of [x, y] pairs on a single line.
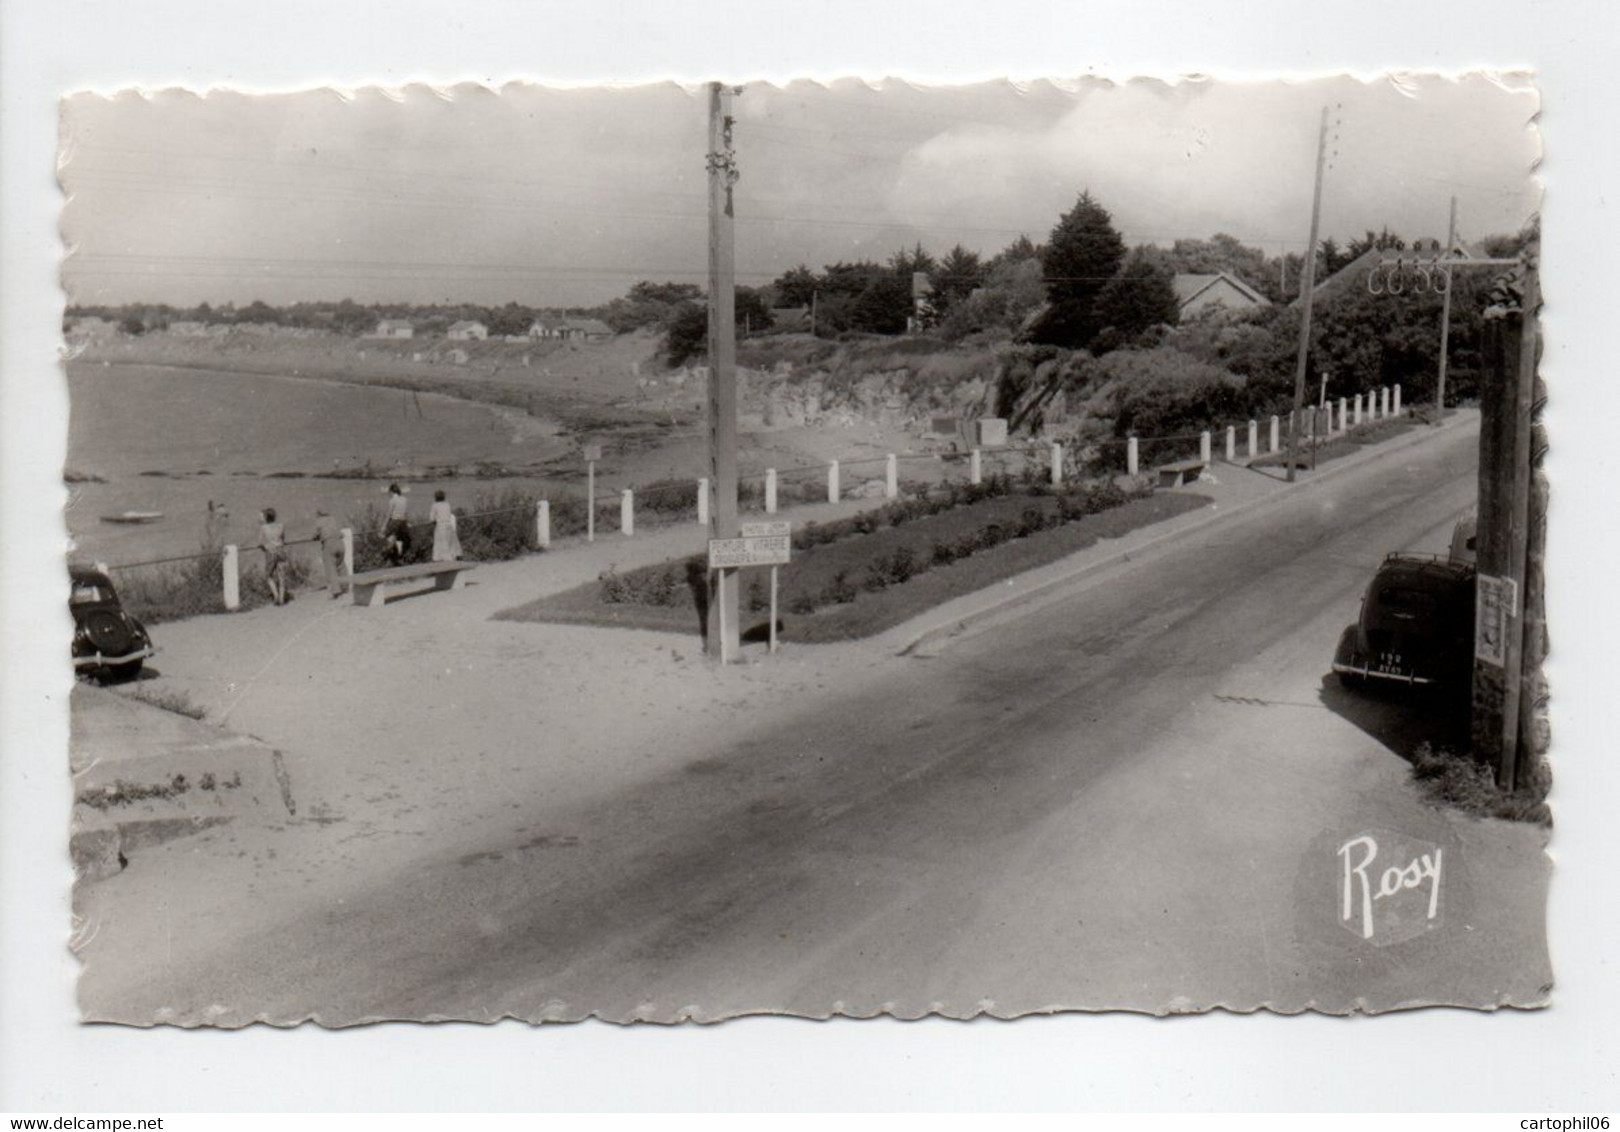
[[542, 524], [891, 476], [703, 502], [1344, 416], [975, 468], [1205, 452], [1254, 439], [832, 481], [1231, 444], [627, 512], [348, 550], [770, 491], [1274, 444], [1397, 400], [1057, 465], [233, 580], [1133, 462]]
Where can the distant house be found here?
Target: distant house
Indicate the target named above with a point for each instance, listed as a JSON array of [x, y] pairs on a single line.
[[92, 327], [923, 313], [587, 329], [467, 331], [394, 328], [1356, 271], [542, 328], [1221, 292]]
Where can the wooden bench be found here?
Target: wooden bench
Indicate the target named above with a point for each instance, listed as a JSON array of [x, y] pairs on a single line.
[[1182, 471], [370, 586]]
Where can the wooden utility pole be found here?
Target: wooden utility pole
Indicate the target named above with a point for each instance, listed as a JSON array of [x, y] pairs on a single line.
[[1518, 686], [1511, 527], [1445, 320], [1307, 284], [723, 632]]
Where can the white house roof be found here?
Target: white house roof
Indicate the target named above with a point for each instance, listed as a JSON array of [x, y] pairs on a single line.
[[588, 325], [1188, 286], [393, 323], [467, 325]]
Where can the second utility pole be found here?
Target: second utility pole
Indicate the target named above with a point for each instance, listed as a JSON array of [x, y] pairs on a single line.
[[1307, 284], [723, 632], [1445, 319]]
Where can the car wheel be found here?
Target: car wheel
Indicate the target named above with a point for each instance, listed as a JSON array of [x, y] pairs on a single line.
[[108, 632], [1352, 681]]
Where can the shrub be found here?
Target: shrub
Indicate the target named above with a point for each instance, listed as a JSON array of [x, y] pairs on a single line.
[[877, 576], [1457, 780], [801, 604], [944, 553], [498, 526], [179, 590], [651, 587], [668, 498], [840, 591], [903, 565]]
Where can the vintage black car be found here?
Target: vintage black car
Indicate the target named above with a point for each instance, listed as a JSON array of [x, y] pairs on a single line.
[[108, 644], [1416, 626]]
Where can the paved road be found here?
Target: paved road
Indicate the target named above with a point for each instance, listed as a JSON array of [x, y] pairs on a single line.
[[1128, 796]]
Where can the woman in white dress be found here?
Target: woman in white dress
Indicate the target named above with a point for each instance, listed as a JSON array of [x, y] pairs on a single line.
[[446, 546]]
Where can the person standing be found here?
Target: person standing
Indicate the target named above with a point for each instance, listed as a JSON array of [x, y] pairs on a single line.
[[331, 541], [273, 541], [214, 526], [446, 544], [397, 526]]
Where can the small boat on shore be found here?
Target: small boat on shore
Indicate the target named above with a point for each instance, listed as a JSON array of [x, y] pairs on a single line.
[[133, 517]]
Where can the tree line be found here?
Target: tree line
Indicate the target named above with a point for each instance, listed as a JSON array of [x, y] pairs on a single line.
[[343, 316]]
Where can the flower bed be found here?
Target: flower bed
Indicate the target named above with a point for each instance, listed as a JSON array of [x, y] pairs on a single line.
[[862, 575]]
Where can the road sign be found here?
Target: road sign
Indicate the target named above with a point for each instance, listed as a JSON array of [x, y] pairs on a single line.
[[759, 550], [1496, 602], [775, 528], [593, 452]]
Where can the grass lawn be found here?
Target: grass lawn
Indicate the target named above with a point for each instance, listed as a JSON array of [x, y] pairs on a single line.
[[852, 582], [1374, 432]]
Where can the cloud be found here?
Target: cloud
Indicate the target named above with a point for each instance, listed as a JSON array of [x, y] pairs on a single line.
[[1198, 157]]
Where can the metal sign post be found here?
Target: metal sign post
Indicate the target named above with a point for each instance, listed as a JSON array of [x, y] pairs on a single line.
[[759, 544]]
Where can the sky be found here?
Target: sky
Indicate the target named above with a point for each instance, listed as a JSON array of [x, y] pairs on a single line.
[[563, 197]]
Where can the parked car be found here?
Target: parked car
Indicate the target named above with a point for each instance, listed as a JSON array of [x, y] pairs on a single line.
[[108, 643], [1416, 625]]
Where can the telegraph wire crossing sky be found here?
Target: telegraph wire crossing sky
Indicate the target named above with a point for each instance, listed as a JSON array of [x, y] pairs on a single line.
[[567, 196]]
